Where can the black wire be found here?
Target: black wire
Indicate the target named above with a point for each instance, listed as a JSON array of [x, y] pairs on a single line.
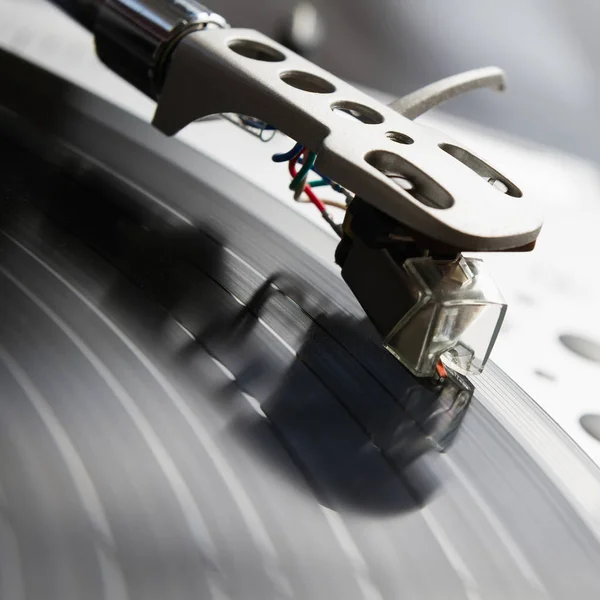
[[83, 11]]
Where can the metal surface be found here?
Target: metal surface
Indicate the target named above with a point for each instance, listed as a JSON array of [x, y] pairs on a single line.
[[243, 71], [135, 37], [419, 102], [83, 11], [134, 458]]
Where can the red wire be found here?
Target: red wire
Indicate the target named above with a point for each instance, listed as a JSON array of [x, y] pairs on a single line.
[[441, 370], [307, 189]]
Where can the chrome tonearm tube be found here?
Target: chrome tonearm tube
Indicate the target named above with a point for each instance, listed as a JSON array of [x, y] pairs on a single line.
[[419, 198]]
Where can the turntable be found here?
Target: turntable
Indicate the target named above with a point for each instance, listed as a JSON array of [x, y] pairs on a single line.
[[194, 401]]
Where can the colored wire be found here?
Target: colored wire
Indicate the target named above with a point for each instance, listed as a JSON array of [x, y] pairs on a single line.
[[318, 183], [260, 129], [309, 163], [315, 171], [296, 151], [287, 156], [326, 181], [312, 197], [441, 370], [257, 124], [307, 189], [270, 134], [334, 203]]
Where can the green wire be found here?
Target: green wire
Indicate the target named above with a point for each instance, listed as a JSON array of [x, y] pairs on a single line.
[[309, 163], [319, 183]]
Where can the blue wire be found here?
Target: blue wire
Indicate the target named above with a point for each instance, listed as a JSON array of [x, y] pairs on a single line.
[[297, 149], [251, 122], [287, 156]]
